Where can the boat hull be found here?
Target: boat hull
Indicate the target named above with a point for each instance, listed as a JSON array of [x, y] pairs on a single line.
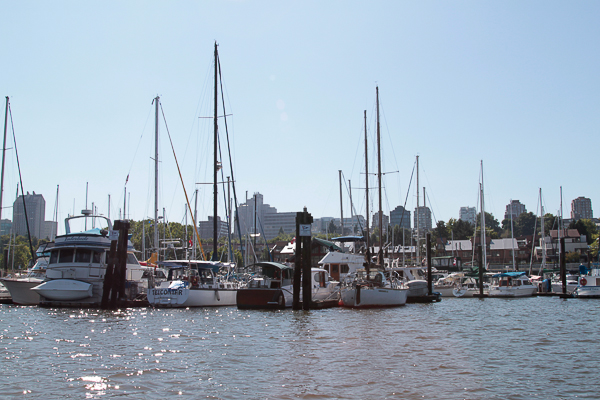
[[264, 298], [590, 292], [509, 292], [191, 297], [20, 290], [417, 288], [65, 290], [371, 297]]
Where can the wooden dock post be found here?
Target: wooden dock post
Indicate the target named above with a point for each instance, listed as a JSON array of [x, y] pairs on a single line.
[[563, 270], [429, 275], [303, 262], [109, 274], [481, 268], [113, 292]]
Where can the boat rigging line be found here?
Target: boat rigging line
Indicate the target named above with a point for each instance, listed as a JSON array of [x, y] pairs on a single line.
[[182, 184], [20, 180]]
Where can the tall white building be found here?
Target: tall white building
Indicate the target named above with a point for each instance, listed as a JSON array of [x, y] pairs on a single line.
[[36, 216], [256, 216], [468, 214]]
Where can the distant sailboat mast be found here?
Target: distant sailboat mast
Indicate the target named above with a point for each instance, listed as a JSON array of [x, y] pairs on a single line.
[[156, 243], [512, 237], [418, 249], [215, 165], [542, 234], [380, 253], [483, 239], [367, 253]]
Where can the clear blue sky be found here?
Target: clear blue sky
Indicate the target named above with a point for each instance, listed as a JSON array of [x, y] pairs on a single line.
[[512, 83]]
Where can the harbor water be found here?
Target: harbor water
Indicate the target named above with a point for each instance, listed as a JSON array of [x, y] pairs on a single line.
[[544, 348]]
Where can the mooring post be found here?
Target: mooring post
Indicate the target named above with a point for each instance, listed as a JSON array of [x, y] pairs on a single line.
[[305, 234], [110, 269], [297, 264], [120, 271], [481, 268], [563, 266], [302, 264], [429, 274]]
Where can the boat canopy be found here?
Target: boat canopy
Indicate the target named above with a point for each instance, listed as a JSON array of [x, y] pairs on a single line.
[[328, 244], [271, 264], [194, 264], [513, 274], [349, 239]]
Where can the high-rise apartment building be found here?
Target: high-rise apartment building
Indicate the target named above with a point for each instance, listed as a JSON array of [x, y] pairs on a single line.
[[516, 208], [468, 214], [36, 216], [581, 208], [424, 218], [401, 217]]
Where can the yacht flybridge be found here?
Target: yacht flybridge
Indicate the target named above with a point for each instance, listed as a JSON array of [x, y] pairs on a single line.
[[77, 266]]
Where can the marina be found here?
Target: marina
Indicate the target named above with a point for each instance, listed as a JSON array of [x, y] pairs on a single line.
[[455, 349], [288, 200]]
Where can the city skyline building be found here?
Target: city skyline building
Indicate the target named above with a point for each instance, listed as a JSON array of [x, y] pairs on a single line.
[[516, 208], [468, 214], [581, 208], [36, 216], [425, 223], [401, 217]]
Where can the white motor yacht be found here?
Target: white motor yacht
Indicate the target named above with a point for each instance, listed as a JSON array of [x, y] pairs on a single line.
[[511, 284], [77, 267]]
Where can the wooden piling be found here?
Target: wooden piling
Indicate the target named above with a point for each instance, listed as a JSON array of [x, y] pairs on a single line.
[[303, 261], [481, 269], [429, 274], [113, 292], [563, 270]]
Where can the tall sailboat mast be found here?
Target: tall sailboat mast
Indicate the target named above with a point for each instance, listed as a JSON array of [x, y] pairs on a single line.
[[367, 188], [418, 249], [341, 206], [380, 253], [483, 239], [216, 127], [3, 155], [156, 244]]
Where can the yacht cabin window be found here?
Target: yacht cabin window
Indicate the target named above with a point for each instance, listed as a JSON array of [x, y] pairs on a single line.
[[131, 259], [83, 255], [66, 256]]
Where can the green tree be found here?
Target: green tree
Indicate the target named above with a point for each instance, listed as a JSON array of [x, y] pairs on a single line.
[[332, 227], [525, 224], [572, 257], [585, 227], [440, 231], [459, 229]]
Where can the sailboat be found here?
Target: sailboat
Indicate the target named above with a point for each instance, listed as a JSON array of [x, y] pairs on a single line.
[[373, 286], [193, 283], [469, 287]]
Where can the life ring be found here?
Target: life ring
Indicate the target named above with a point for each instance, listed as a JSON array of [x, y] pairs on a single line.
[[583, 281], [194, 280]]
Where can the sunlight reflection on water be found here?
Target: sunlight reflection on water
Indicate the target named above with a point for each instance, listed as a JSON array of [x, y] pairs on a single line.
[[456, 349]]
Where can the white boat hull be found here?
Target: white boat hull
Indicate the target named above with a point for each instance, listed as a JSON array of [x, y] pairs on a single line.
[[364, 297], [417, 288], [445, 291], [64, 290], [20, 290], [186, 297], [588, 292], [517, 291]]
